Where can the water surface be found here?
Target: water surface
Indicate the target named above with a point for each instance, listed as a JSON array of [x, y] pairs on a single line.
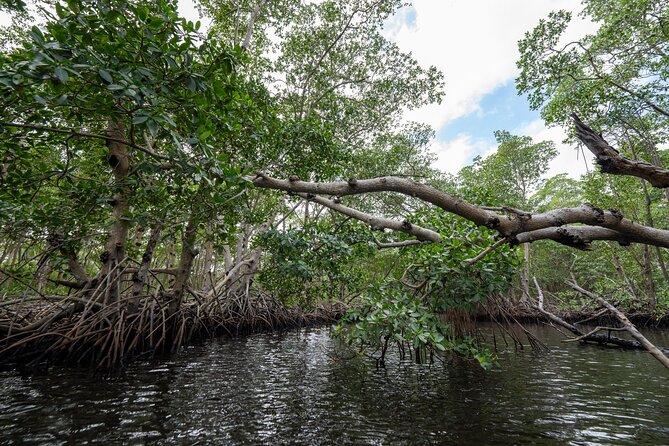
[[290, 388]]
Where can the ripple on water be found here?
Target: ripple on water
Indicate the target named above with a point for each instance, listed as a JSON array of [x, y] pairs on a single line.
[[287, 389]]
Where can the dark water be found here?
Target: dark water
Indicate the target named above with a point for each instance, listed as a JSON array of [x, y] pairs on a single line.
[[288, 389]]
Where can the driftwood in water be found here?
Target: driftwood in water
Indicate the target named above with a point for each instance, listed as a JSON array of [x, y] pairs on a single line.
[[627, 325], [641, 343], [580, 335]]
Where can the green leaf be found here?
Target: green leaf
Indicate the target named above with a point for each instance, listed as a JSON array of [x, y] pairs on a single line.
[[37, 35], [142, 13], [61, 74], [152, 126], [62, 13], [104, 74], [192, 86], [139, 119], [114, 87]]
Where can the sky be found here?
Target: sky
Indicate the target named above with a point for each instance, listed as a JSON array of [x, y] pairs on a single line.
[[474, 43]]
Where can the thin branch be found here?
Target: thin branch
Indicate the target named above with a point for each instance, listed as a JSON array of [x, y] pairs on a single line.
[[486, 251], [422, 234], [399, 244]]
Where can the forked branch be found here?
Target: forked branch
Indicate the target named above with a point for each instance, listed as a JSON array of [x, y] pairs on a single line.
[[599, 224]]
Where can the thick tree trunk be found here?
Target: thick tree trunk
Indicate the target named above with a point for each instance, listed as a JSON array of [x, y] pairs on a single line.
[[114, 252]]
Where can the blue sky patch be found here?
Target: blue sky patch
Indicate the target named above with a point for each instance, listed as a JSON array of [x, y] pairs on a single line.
[[503, 109]]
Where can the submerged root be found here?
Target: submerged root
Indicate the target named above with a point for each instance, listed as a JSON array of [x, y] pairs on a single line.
[[107, 336]]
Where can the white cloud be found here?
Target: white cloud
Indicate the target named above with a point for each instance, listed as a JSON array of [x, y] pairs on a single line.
[[458, 152], [571, 159], [5, 18], [474, 43]]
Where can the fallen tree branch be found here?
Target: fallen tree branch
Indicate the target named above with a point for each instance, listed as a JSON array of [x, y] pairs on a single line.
[[611, 161], [516, 227], [629, 326], [599, 339], [596, 330], [600, 313]]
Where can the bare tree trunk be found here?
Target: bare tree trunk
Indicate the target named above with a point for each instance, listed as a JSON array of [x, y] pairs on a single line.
[[170, 255], [663, 266], [188, 253], [43, 273], [116, 243], [227, 257], [651, 223], [246, 44], [209, 265], [525, 274], [648, 275], [139, 278]]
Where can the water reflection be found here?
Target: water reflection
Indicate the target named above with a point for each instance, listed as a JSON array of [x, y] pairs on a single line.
[[288, 389]]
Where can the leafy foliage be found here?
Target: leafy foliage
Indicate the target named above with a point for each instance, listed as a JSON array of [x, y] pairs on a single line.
[[406, 308], [510, 175]]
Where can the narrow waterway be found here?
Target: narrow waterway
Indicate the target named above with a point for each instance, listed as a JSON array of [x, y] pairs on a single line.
[[289, 388]]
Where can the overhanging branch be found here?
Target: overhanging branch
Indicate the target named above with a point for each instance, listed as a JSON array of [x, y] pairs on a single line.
[[517, 227], [611, 161]]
